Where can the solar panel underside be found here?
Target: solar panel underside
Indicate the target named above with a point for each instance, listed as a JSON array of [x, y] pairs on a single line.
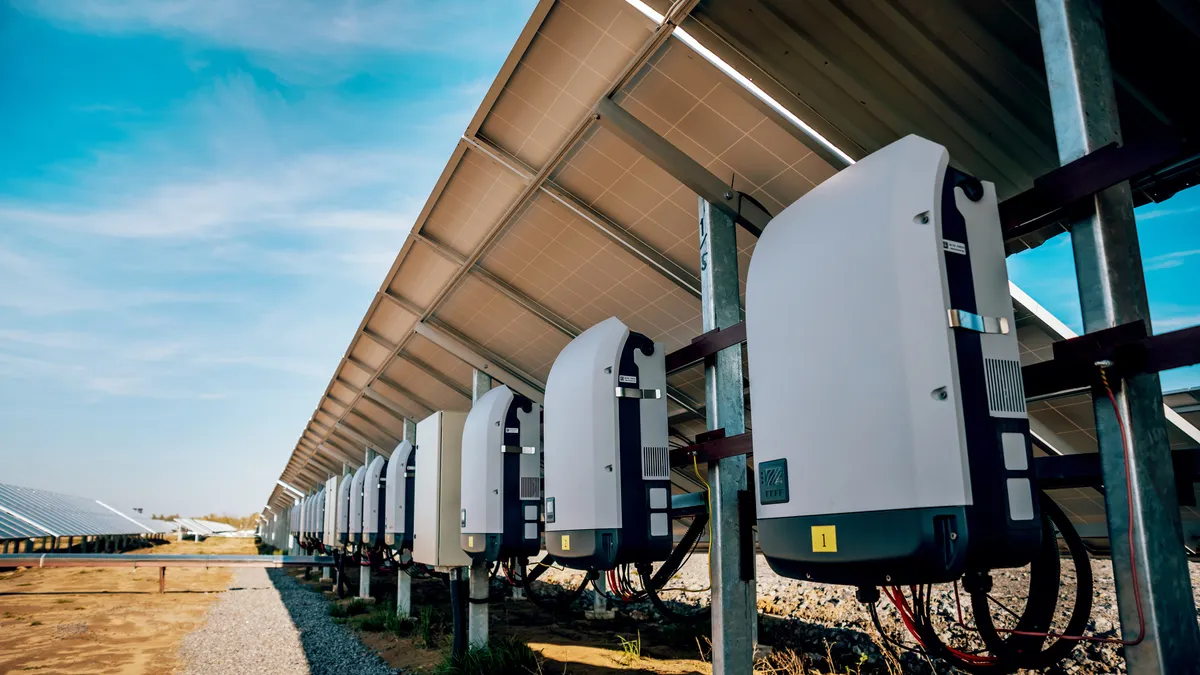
[[545, 223]]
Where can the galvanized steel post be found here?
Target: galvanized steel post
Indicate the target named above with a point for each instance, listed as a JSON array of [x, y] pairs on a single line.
[[479, 585], [1112, 291], [403, 580], [734, 601], [364, 571]]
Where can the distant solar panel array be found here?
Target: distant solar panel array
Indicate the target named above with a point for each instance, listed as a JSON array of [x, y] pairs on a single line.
[[204, 528], [29, 513]]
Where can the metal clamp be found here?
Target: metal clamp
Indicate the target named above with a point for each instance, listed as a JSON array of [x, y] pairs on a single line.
[[629, 392], [518, 449], [997, 325]]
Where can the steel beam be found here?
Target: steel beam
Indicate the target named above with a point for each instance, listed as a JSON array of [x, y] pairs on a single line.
[[357, 440], [634, 245], [555, 320], [479, 584], [404, 304], [356, 434], [480, 358], [379, 340], [682, 167], [406, 393], [388, 405], [436, 374], [1151, 569], [373, 425], [562, 324], [734, 602], [347, 452]]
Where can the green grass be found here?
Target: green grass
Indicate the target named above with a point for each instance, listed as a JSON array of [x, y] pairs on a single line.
[[353, 608], [375, 622], [427, 628], [632, 648], [508, 656]]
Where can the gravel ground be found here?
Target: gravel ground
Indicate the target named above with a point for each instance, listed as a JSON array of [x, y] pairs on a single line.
[[268, 623], [805, 616]]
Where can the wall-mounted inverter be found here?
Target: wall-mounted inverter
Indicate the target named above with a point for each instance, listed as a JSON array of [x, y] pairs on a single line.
[[502, 477], [607, 474], [398, 497], [343, 509], [316, 527], [356, 503], [372, 522], [329, 534], [436, 505], [891, 442]]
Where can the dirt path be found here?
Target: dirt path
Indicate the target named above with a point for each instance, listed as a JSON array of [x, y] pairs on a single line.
[[109, 620]]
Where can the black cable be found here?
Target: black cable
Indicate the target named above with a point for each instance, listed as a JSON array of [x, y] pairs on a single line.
[[458, 609], [704, 615], [888, 639], [1080, 613], [557, 604]]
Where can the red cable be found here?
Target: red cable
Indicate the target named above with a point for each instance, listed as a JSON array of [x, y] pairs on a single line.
[[1137, 595]]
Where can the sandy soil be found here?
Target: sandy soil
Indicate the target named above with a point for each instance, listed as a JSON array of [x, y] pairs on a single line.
[[568, 643], [107, 620]]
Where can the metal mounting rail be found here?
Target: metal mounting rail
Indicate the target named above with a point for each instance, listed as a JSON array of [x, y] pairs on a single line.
[[160, 560]]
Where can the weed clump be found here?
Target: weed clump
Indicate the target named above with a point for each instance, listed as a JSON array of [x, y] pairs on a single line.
[[502, 657]]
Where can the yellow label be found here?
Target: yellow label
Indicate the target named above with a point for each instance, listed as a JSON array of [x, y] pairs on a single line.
[[824, 538], [470, 541], [566, 542]]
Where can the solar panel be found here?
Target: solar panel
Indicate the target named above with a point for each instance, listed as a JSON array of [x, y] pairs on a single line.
[[62, 515], [12, 527]]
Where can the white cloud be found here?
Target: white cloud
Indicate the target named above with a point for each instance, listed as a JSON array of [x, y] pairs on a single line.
[[1169, 260], [225, 201], [1177, 322], [39, 287], [303, 38]]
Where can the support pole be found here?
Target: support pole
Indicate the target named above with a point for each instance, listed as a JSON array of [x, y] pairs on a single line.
[[162, 580], [479, 582], [1112, 291], [364, 571], [600, 610], [403, 580], [735, 609]]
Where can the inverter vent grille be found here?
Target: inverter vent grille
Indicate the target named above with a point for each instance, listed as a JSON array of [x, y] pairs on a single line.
[[1006, 391], [531, 487], [655, 463]]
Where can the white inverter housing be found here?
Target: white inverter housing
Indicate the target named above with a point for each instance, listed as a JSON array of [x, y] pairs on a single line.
[[329, 533], [891, 442], [502, 477], [316, 520], [607, 474], [398, 497], [356, 503], [372, 517], [436, 497], [343, 509]]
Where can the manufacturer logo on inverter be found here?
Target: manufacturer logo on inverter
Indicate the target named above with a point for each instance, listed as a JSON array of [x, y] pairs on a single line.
[[626, 379], [954, 246]]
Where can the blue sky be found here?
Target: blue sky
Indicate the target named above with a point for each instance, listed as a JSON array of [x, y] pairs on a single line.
[[198, 200], [1169, 235]]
